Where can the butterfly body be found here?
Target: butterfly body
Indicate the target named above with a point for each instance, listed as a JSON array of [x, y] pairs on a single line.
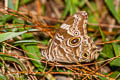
[[71, 43]]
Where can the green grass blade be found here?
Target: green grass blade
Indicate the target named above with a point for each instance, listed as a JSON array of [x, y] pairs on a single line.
[[116, 49], [10, 4], [68, 4], [115, 62], [9, 35], [115, 74], [13, 59], [2, 77], [17, 5], [107, 50], [45, 42], [111, 7], [102, 34], [32, 51]]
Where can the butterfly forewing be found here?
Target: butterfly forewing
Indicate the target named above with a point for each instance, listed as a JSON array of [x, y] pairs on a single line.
[[71, 43]]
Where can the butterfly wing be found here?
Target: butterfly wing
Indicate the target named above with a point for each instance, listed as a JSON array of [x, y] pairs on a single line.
[[70, 41]]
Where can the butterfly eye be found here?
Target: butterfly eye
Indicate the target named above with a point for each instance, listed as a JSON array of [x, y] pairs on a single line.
[[85, 55], [74, 41]]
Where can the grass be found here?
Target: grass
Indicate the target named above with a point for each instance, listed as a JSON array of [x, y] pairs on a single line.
[[28, 25]]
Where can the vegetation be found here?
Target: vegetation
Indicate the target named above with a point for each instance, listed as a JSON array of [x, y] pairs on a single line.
[[26, 26]]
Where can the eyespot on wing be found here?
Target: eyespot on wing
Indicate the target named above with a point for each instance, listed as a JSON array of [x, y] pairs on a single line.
[[74, 41]]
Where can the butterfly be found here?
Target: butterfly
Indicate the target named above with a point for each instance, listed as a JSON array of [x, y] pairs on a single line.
[[71, 42]]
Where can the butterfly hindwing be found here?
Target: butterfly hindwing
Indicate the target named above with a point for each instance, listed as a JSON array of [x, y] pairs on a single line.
[[71, 42]]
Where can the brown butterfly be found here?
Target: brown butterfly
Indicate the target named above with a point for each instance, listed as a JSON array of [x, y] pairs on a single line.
[[71, 42]]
